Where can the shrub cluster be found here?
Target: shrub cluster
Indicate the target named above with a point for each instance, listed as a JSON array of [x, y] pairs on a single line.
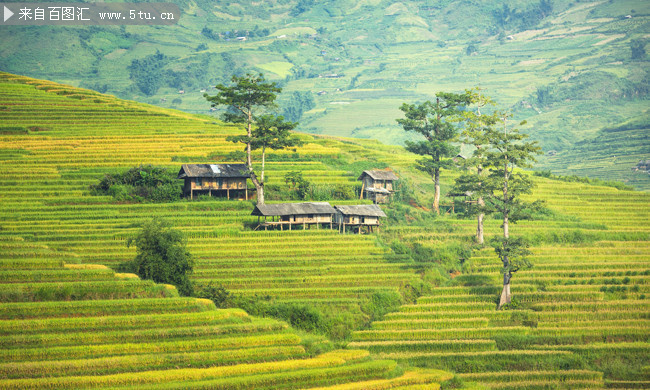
[[449, 257], [140, 184], [330, 321], [162, 256], [312, 192]]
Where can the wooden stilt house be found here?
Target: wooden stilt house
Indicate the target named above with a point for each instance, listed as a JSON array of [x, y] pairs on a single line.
[[377, 185], [288, 215], [358, 216], [215, 179]]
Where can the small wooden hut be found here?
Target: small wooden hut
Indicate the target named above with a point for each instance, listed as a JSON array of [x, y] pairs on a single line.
[[290, 214], [217, 179], [377, 185], [358, 216]]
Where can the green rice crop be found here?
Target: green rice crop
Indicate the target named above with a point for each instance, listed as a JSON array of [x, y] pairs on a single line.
[[103, 307], [39, 292], [134, 363], [189, 345], [85, 324], [185, 374], [140, 335]]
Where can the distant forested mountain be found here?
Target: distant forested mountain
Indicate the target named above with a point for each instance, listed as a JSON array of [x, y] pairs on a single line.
[[570, 68]]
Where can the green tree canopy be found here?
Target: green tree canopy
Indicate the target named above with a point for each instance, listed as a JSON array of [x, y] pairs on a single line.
[[248, 100], [507, 151], [147, 73], [470, 182], [437, 123], [162, 256]]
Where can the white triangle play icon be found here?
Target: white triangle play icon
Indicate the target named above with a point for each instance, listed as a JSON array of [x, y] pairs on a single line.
[[8, 13]]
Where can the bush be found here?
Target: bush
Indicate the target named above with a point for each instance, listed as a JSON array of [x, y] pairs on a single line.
[[453, 383], [336, 324], [162, 256], [400, 214], [380, 303], [12, 130], [237, 155], [165, 193], [403, 191], [435, 276], [297, 183], [142, 183], [298, 315], [325, 192], [119, 192], [217, 294]]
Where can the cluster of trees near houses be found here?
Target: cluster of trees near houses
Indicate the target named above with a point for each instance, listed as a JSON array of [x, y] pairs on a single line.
[[490, 178], [490, 181]]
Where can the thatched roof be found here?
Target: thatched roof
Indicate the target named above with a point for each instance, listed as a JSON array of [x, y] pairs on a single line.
[[379, 175], [293, 209], [366, 210], [213, 170]]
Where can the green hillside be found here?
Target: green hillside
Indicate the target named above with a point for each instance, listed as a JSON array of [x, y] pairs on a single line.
[[581, 319], [581, 315], [612, 153], [571, 68], [68, 321]]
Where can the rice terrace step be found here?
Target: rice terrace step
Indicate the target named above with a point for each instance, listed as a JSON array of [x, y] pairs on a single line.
[[283, 295]]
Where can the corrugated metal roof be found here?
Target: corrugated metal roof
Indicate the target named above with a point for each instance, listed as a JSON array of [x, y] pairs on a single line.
[[293, 209], [366, 210], [379, 175], [379, 190], [213, 170]]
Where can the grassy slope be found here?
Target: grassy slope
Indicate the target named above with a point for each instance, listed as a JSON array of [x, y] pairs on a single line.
[[583, 305], [69, 322], [49, 215], [386, 53], [610, 154]]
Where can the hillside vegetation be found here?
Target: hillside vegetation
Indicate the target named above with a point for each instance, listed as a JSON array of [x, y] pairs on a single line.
[[571, 68], [68, 321], [580, 317]]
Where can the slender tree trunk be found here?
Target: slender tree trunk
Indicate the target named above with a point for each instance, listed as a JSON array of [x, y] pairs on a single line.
[[259, 188], [506, 206], [436, 194], [505, 293], [479, 223], [259, 185], [479, 228], [506, 296], [249, 161], [263, 163], [436, 174], [507, 275]]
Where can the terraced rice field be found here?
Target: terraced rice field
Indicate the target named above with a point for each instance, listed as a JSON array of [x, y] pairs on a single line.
[[69, 321], [84, 326], [52, 209], [66, 320], [582, 318]]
